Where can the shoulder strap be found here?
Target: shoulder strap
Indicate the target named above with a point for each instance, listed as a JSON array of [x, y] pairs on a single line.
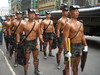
[[29, 32], [76, 33], [17, 27], [63, 28], [47, 26]]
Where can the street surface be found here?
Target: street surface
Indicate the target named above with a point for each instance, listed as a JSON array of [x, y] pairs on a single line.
[[48, 67]]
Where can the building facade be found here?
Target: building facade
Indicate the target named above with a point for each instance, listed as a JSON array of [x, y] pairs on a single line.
[[4, 11], [48, 5], [15, 5]]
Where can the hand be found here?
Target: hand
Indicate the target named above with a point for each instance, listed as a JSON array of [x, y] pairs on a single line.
[[68, 54], [85, 49]]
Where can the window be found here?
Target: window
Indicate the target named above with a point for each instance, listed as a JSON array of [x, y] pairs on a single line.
[[98, 1]]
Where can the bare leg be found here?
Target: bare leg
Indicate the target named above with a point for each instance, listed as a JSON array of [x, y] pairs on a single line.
[[66, 69], [50, 49], [75, 64], [27, 56], [44, 48], [36, 62]]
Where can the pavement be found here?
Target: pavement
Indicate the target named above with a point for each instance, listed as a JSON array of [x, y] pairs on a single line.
[[48, 67]]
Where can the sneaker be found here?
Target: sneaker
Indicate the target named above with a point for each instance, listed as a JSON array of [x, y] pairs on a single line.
[[15, 65], [58, 67], [45, 57], [51, 55], [38, 73]]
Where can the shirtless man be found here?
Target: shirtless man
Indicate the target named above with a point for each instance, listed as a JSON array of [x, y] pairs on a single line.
[[60, 26], [15, 23], [30, 44], [12, 17], [77, 43], [6, 28], [37, 18], [47, 34]]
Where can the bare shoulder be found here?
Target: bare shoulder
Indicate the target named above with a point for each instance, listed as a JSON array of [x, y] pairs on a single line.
[[68, 24], [60, 20], [24, 23], [80, 23]]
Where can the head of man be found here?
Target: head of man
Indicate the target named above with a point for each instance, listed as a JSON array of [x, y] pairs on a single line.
[[48, 15], [74, 12], [19, 14], [31, 14], [37, 15], [65, 11], [64, 8], [12, 16], [8, 17]]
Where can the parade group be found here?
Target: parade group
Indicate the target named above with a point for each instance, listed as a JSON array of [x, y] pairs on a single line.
[[21, 38]]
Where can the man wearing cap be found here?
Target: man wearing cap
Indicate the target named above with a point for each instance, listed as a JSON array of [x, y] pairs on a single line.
[[30, 43], [12, 17], [48, 29], [75, 31], [37, 18], [60, 26], [15, 28], [6, 28]]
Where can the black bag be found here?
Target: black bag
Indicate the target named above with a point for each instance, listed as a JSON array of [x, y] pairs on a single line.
[[54, 43], [21, 54]]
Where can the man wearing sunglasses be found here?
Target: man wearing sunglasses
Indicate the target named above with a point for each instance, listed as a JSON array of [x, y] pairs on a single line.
[[16, 27], [48, 29], [60, 26], [32, 29], [74, 30], [37, 18]]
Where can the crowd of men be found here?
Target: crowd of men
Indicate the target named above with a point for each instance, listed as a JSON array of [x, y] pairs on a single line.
[[24, 33]]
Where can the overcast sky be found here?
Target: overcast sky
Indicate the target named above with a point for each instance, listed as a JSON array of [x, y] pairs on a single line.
[[3, 3]]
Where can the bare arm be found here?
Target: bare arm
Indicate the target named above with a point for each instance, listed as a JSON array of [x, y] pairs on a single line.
[[66, 35], [53, 27], [19, 31], [9, 31], [58, 28], [40, 34], [42, 27], [83, 39]]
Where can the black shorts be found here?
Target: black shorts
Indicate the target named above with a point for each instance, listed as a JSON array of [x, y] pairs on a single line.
[[30, 45], [47, 36], [76, 49]]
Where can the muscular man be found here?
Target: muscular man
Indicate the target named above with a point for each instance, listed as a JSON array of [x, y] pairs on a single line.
[[16, 28], [30, 44], [12, 17], [60, 26], [75, 31], [48, 29], [6, 28], [37, 18]]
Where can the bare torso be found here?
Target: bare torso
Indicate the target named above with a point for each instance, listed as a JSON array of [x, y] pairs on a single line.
[[16, 23], [74, 27], [27, 28], [63, 21], [7, 25], [50, 27]]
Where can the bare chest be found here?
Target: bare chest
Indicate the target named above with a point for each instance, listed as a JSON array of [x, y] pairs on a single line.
[[48, 24], [31, 26], [76, 28]]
